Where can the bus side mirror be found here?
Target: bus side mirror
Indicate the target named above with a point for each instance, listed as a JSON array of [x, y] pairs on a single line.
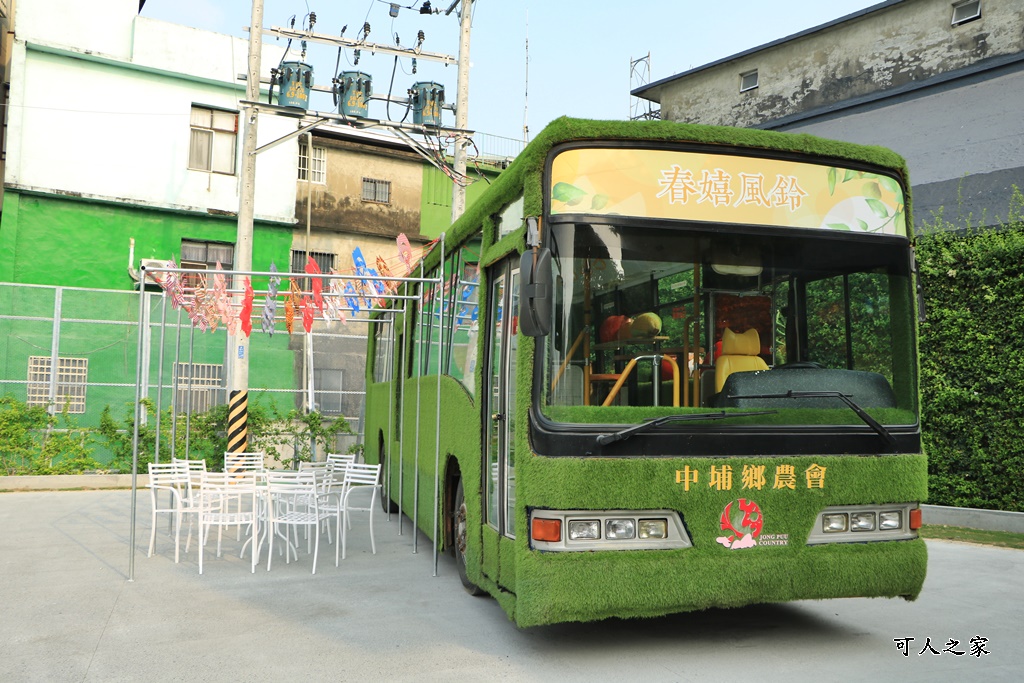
[[535, 293]]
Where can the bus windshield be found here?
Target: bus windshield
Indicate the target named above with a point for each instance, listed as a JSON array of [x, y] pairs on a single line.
[[783, 326]]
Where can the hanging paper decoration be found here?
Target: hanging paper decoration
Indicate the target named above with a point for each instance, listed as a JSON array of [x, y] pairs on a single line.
[[351, 297], [358, 260], [317, 284], [221, 303], [390, 286], [367, 289], [289, 315], [172, 284], [290, 304], [334, 299], [360, 264], [382, 268], [329, 297], [245, 316], [377, 285], [270, 303], [197, 312], [307, 313], [404, 251]]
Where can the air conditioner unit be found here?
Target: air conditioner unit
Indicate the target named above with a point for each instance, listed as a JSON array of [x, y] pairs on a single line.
[[153, 278]]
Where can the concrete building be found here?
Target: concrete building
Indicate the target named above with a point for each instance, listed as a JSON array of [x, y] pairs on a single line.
[[358, 190], [6, 44], [940, 82], [123, 143], [121, 127]]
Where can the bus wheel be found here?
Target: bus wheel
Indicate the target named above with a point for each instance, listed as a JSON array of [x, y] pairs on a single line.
[[459, 546]]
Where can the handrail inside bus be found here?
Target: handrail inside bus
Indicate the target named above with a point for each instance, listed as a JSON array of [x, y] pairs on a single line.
[[568, 358], [657, 358]]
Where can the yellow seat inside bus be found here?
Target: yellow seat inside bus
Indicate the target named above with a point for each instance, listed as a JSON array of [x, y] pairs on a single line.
[[739, 354]]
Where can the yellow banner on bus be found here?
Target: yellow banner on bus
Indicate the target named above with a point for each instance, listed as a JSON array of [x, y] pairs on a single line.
[[720, 188]]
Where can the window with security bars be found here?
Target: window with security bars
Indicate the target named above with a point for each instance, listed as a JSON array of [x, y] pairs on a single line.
[[312, 168], [323, 260], [378, 191], [213, 140], [72, 378], [197, 386]]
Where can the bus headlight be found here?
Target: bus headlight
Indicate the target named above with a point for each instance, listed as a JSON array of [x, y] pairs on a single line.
[[653, 528], [584, 530], [890, 520], [862, 521], [834, 522], [617, 529], [865, 523]]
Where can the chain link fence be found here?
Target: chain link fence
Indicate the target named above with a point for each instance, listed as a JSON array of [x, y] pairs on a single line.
[[77, 350]]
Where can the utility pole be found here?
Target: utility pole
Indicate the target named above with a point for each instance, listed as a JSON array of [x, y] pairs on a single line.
[[461, 107], [526, 90], [238, 344]]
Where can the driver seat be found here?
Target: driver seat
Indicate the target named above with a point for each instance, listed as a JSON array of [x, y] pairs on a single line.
[[739, 354]]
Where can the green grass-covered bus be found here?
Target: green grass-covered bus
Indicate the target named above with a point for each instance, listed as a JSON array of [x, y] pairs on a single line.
[[670, 367]]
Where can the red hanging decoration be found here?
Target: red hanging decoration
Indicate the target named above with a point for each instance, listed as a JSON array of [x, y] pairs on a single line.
[[246, 313], [317, 284], [307, 314]]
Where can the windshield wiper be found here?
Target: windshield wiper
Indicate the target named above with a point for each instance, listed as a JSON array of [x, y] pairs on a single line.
[[889, 439], [605, 439]]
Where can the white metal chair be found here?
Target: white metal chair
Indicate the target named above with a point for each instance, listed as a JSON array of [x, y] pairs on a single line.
[[339, 463], [325, 480], [195, 469], [360, 480], [193, 466], [293, 500], [218, 494], [322, 468], [174, 479], [254, 461], [251, 461], [341, 460], [333, 483]]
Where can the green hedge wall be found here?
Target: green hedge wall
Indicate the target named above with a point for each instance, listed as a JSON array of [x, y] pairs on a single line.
[[972, 362]]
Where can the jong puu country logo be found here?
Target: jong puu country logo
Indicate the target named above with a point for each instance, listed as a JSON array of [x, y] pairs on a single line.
[[742, 521]]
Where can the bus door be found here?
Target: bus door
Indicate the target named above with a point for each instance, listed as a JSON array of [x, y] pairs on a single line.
[[499, 422]]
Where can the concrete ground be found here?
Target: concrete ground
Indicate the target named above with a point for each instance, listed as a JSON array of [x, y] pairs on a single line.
[[69, 613]]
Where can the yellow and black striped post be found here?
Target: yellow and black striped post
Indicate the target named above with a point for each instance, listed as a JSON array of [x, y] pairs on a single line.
[[238, 415]]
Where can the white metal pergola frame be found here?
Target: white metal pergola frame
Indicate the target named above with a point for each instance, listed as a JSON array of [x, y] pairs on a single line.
[[388, 316]]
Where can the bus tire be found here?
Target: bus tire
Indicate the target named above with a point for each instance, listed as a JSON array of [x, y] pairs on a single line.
[[459, 533]]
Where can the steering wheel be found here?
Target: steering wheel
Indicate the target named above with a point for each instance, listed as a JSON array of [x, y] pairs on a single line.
[[801, 365]]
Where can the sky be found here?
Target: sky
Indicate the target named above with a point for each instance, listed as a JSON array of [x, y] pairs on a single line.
[[579, 52]]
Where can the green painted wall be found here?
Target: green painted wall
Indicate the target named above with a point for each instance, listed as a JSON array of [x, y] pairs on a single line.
[[70, 242], [436, 198], [47, 239]]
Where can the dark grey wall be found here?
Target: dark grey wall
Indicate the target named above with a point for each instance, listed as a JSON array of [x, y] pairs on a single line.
[[963, 140]]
